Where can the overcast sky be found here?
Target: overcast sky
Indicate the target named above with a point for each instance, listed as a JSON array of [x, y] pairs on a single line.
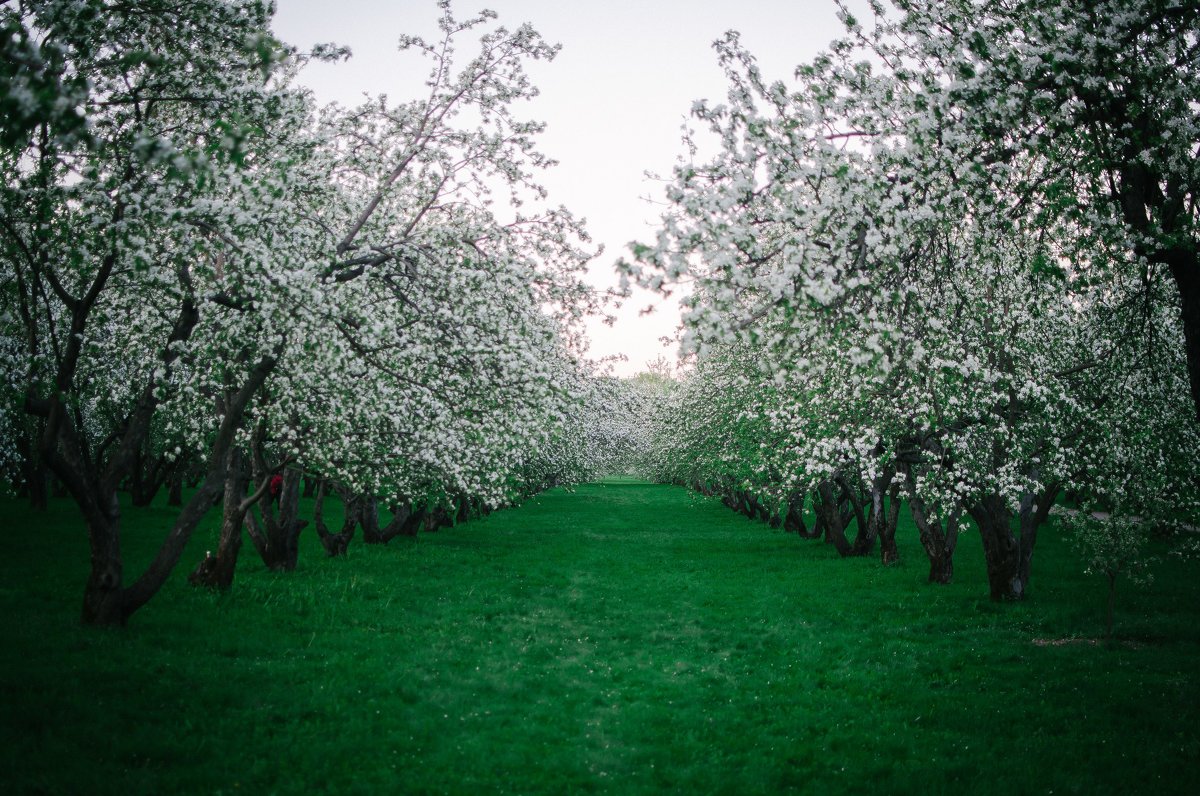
[[615, 99]]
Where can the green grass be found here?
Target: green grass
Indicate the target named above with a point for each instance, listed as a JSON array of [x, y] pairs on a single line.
[[622, 638]]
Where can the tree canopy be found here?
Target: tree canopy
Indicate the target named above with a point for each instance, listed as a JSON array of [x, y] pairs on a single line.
[[956, 256], [205, 270]]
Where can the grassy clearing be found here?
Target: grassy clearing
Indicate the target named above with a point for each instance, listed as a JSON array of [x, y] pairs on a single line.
[[622, 638]]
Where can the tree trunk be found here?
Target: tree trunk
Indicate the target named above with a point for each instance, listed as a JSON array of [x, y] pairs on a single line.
[[941, 568], [739, 503], [761, 512], [438, 518], [336, 544], [1010, 556], [140, 493], [865, 532], [105, 602], [818, 529], [831, 518], [939, 544], [216, 572], [1033, 512], [103, 598], [1001, 549], [889, 553], [1185, 270], [875, 507], [793, 518], [406, 521], [277, 538]]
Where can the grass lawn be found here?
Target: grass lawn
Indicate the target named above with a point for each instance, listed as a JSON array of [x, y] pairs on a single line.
[[622, 638]]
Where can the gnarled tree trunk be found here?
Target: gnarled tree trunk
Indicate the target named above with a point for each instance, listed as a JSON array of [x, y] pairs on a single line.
[[865, 532], [882, 514], [216, 571], [1001, 548], [103, 596], [1009, 555], [336, 544], [939, 543], [793, 515], [440, 517], [888, 552], [406, 521], [833, 522], [277, 536], [794, 521]]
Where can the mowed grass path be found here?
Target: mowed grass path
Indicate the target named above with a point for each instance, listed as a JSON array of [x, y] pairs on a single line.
[[621, 638]]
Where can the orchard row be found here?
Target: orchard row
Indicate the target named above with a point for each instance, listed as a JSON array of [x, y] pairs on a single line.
[[208, 279], [954, 263]]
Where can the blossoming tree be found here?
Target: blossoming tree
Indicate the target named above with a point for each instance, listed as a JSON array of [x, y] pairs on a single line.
[[191, 253], [924, 288]]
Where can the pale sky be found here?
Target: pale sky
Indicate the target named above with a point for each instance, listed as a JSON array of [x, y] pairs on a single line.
[[615, 100]]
